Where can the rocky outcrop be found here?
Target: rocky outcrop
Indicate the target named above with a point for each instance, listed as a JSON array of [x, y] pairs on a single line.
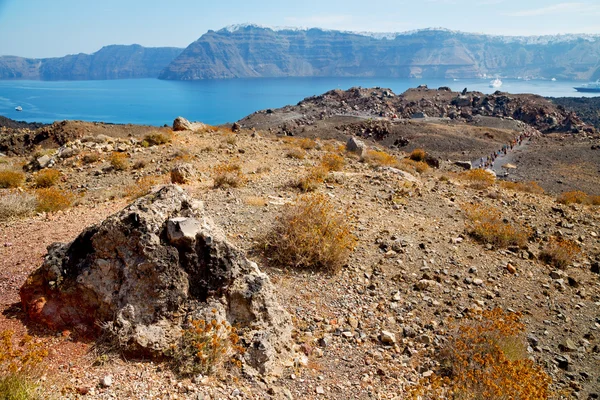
[[182, 124], [251, 51], [110, 62], [145, 272]]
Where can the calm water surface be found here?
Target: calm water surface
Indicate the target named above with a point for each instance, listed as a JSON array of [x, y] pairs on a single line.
[[156, 102]]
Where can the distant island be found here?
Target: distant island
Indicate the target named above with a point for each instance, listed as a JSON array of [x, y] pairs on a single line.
[[252, 51]]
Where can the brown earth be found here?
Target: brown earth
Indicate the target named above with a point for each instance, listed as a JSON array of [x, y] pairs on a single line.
[[406, 232]]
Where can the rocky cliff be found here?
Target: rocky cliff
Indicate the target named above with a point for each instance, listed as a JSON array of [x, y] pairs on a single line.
[[253, 51], [110, 62]]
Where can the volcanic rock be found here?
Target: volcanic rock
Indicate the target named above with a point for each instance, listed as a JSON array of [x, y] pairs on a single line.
[[146, 270]]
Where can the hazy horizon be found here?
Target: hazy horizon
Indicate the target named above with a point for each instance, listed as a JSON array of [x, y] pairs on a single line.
[[40, 29]]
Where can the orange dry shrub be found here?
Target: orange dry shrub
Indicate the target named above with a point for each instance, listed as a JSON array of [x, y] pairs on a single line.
[[157, 138], [418, 155], [46, 178], [141, 187], [412, 166], [228, 175], [312, 179], [526, 187], [333, 162], [478, 178], [11, 179], [297, 153], [487, 225], [52, 199], [560, 252], [578, 197], [119, 161], [380, 158], [310, 234], [204, 346]]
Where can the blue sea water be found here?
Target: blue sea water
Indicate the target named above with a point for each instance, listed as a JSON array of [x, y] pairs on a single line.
[[156, 102]]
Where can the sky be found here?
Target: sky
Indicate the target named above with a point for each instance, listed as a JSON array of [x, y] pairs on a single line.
[[54, 28]]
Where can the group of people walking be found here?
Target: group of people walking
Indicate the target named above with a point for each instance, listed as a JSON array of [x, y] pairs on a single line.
[[488, 161]]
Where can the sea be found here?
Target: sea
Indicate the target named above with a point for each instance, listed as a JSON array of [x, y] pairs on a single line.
[[157, 102]]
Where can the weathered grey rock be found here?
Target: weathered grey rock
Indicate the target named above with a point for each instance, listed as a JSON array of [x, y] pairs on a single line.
[[464, 164], [182, 124], [183, 173], [146, 270], [387, 338], [44, 161], [356, 146]]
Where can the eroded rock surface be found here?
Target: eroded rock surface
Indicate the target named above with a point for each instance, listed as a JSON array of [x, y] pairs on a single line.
[[147, 270]]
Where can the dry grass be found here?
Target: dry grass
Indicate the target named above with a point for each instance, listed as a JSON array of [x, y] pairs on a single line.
[[526, 187], [560, 252], [578, 197], [52, 199], [141, 187], [487, 225], [119, 161], [486, 358], [313, 178], [46, 178], [478, 178], [228, 175], [380, 159], [310, 234], [204, 347], [17, 204], [11, 179], [230, 138], [90, 158], [157, 138], [306, 143], [333, 162], [412, 166], [255, 201], [297, 153], [418, 155]]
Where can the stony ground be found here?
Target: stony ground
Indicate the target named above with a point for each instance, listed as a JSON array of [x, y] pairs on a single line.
[[413, 271]]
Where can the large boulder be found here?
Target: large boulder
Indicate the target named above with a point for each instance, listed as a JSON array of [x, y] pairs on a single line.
[[145, 272], [356, 146], [182, 124]]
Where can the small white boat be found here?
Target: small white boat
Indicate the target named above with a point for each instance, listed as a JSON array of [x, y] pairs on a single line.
[[19, 108], [496, 83]]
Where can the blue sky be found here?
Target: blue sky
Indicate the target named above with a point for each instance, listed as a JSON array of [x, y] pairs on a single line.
[[47, 28]]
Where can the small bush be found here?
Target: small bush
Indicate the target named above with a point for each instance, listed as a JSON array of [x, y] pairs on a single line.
[[297, 153], [486, 358], [52, 199], [310, 234], [139, 164], [527, 187], [410, 165], [11, 179], [312, 179], [486, 225], [46, 178], [14, 205], [119, 161], [230, 138], [560, 252], [333, 162], [578, 197], [418, 155], [478, 178], [228, 175], [380, 158], [306, 143], [157, 138], [141, 187], [204, 346], [90, 158]]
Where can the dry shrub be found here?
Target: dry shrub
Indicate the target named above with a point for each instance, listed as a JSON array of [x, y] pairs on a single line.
[[228, 175], [139, 164], [90, 158], [578, 197], [526, 187], [313, 178], [478, 178], [380, 158], [297, 153], [306, 143], [418, 155], [14, 205], [410, 165], [333, 162], [486, 358], [11, 179], [255, 201], [230, 138], [487, 225], [20, 367], [52, 199], [46, 178], [119, 161], [157, 138], [310, 234], [141, 187], [204, 346], [560, 252]]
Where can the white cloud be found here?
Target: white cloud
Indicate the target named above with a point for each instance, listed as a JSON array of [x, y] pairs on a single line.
[[559, 8]]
